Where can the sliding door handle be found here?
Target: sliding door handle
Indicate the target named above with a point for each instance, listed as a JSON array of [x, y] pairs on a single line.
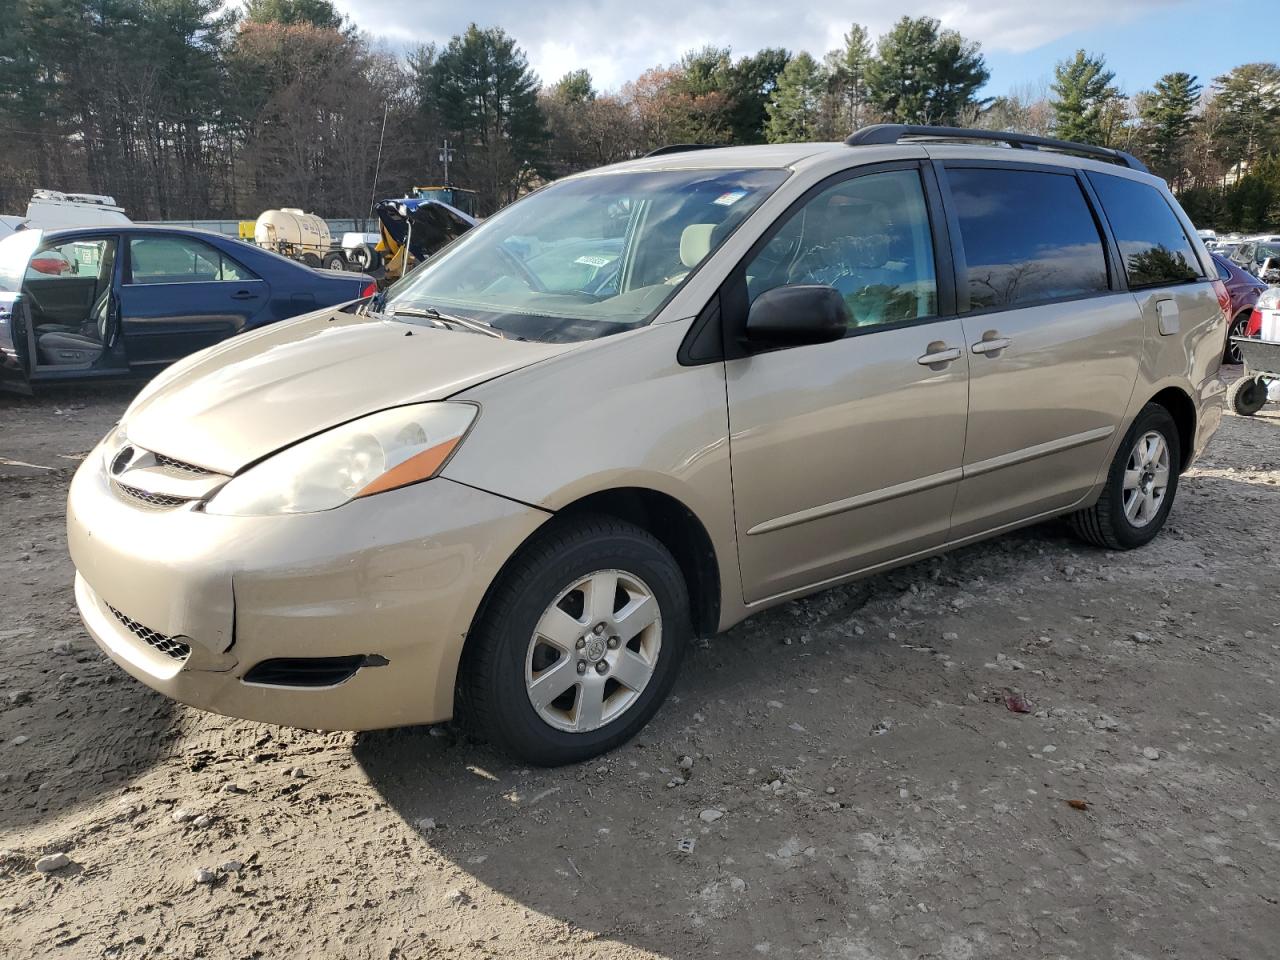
[[994, 345]]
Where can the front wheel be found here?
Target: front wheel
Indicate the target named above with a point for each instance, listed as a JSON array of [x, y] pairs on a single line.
[[1140, 487], [579, 642]]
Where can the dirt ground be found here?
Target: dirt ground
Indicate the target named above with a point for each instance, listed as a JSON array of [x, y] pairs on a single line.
[[859, 786]]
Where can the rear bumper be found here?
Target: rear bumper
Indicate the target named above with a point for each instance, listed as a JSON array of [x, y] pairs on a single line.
[[397, 577], [1211, 404]]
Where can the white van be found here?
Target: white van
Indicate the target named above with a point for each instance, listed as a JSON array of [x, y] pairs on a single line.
[[52, 209]]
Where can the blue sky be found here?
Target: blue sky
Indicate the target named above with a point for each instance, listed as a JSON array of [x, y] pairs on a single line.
[[1205, 39], [617, 39]]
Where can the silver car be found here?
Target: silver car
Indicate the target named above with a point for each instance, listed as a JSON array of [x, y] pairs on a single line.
[[643, 404]]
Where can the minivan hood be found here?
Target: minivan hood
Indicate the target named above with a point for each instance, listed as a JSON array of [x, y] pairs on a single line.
[[247, 397]]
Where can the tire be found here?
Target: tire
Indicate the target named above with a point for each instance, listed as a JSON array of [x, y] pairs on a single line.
[[1231, 353], [1106, 523], [507, 653], [1247, 395], [334, 260], [366, 257], [310, 259]]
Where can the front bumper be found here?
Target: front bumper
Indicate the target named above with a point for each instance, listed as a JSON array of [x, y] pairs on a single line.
[[397, 576]]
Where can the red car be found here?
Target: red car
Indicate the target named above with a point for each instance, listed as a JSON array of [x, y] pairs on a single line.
[[49, 262], [1244, 289]]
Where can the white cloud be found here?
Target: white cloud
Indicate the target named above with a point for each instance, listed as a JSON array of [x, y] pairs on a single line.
[[618, 39]]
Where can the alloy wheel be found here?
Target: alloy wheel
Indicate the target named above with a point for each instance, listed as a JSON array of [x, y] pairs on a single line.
[[1233, 349], [593, 651], [1146, 478]]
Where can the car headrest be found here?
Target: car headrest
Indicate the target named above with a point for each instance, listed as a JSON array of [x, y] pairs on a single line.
[[695, 243]]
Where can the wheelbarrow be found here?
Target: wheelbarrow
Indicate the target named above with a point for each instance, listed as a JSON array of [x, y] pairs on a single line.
[[1261, 378]]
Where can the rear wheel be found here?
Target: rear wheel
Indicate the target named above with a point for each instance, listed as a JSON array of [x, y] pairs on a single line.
[[1248, 395], [310, 259], [334, 260], [1140, 487], [579, 642], [1231, 354]]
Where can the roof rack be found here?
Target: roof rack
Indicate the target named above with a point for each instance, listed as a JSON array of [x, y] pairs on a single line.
[[680, 148], [881, 133]]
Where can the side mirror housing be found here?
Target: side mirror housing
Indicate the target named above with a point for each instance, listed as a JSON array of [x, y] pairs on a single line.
[[797, 314]]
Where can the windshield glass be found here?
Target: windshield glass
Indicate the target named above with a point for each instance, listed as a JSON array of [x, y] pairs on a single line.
[[587, 257], [15, 252]]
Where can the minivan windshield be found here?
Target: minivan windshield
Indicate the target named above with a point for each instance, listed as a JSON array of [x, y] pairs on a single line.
[[585, 257]]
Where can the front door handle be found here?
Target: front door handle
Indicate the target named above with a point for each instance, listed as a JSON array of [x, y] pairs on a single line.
[[938, 355], [994, 345]]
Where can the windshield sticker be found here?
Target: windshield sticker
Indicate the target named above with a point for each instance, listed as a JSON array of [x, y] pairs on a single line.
[[730, 198], [595, 260]]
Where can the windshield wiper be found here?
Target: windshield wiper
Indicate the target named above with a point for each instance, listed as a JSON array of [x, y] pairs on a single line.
[[431, 313]]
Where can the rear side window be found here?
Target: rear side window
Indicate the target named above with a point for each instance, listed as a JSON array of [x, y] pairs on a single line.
[[1028, 237], [1153, 245], [173, 259], [1223, 273]]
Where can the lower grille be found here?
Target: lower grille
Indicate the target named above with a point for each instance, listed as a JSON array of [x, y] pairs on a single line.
[[152, 499], [170, 647]]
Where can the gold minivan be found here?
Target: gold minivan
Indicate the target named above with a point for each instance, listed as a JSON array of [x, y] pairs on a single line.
[[641, 404]]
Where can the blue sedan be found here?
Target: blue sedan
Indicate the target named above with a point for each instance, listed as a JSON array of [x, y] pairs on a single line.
[[127, 300]]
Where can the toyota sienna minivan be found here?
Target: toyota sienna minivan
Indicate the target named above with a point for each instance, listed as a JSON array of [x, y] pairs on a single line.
[[642, 404]]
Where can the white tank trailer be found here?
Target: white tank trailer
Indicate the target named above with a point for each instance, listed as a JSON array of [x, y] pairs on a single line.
[[294, 233]]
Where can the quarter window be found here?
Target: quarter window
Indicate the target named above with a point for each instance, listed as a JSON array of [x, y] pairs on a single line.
[[1155, 248], [867, 237], [1028, 237], [181, 260]]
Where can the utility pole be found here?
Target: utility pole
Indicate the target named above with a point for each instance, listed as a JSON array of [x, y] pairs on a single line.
[[446, 154]]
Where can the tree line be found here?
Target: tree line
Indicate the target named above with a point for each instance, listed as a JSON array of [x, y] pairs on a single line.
[[193, 109]]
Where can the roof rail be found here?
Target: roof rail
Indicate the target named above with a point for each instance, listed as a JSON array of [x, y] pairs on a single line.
[[680, 148], [881, 133]]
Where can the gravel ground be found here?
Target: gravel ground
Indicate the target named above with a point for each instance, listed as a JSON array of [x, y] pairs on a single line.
[[842, 777]]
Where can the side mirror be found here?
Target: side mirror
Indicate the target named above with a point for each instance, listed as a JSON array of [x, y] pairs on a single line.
[[797, 314]]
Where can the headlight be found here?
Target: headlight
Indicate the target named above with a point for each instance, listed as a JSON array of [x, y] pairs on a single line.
[[379, 452]]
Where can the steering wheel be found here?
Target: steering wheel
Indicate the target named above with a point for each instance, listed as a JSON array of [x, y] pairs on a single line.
[[527, 275]]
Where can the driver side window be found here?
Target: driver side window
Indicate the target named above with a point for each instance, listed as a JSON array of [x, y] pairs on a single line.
[[869, 238]]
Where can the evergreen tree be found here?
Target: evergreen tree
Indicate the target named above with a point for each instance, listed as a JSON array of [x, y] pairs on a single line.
[[292, 13], [1082, 93], [1249, 101], [924, 74], [847, 69], [1168, 112], [750, 85], [574, 87], [794, 108], [487, 99]]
